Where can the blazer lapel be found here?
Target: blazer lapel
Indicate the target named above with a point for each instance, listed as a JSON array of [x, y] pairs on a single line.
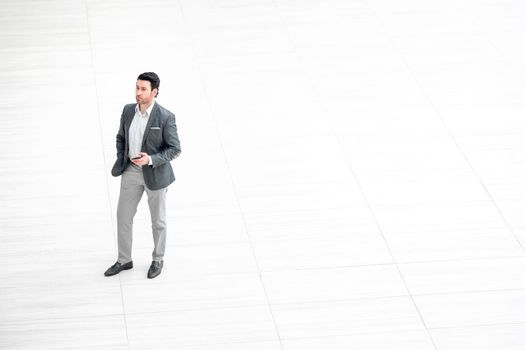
[[154, 115], [128, 121]]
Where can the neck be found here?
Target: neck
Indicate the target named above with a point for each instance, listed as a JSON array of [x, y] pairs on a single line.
[[144, 107]]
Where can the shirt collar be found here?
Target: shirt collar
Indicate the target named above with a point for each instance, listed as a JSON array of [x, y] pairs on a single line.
[[148, 111]]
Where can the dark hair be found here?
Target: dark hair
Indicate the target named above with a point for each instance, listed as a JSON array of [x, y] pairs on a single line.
[[152, 78]]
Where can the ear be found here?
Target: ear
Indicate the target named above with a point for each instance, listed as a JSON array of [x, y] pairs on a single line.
[[155, 91]]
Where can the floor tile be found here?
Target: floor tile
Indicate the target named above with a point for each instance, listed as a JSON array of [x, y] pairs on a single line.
[[101, 332], [464, 276], [483, 337], [472, 309], [200, 327], [352, 172], [176, 293], [326, 319], [405, 340], [329, 238], [333, 284]]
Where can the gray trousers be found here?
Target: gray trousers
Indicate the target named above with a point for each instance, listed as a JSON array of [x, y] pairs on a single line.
[[132, 188]]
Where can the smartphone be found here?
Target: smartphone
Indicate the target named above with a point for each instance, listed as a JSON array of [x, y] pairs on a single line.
[[135, 158]]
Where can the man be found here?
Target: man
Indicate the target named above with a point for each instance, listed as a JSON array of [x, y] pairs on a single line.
[[147, 141]]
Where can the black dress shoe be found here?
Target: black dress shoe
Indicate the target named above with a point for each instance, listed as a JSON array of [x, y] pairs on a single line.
[[117, 267], [155, 268]]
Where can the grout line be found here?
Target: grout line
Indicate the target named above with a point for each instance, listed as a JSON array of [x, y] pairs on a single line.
[[480, 325], [95, 83], [353, 174], [248, 343], [380, 332], [204, 87], [436, 261]]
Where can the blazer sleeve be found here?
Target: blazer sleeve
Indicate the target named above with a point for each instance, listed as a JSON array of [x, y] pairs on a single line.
[[120, 163], [121, 137], [171, 140]]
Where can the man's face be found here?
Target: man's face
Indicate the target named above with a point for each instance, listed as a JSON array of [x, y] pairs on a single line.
[[143, 93]]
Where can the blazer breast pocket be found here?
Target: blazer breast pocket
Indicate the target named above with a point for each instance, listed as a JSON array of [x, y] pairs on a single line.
[[155, 138]]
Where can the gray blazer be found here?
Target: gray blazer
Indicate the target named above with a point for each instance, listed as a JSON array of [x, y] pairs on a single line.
[[160, 141]]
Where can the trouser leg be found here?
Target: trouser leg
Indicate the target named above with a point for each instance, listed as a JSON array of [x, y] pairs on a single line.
[[131, 190], [157, 209]]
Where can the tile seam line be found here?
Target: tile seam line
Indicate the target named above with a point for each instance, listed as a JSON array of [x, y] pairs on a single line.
[[420, 262], [448, 130], [349, 335], [234, 188], [95, 83], [480, 325], [352, 171]]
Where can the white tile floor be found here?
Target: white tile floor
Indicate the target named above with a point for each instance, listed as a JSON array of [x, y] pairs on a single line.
[[352, 175]]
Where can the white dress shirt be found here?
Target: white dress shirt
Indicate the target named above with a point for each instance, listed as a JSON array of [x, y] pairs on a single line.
[[136, 131]]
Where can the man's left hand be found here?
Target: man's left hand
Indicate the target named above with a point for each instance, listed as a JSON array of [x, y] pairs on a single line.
[[143, 160]]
